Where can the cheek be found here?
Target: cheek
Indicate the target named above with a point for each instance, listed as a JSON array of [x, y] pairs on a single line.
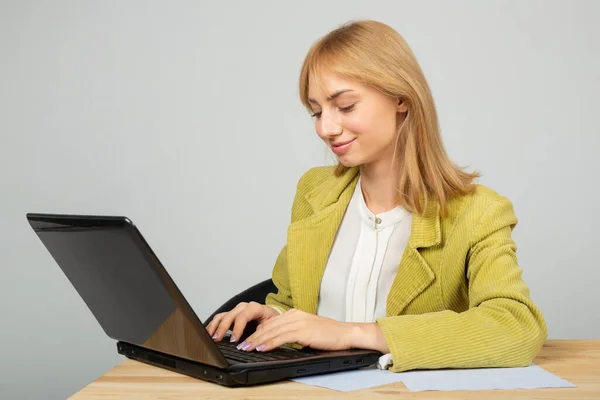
[[375, 133], [376, 127], [356, 123]]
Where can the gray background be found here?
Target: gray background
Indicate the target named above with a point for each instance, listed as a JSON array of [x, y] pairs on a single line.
[[185, 116]]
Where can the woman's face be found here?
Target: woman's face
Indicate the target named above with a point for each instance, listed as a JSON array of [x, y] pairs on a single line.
[[357, 122]]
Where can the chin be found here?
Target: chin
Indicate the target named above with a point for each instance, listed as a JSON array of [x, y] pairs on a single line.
[[349, 162]]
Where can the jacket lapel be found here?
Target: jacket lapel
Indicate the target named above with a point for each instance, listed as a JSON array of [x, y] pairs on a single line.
[[310, 240], [414, 274]]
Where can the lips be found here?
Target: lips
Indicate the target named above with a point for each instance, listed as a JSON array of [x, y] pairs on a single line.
[[342, 143], [342, 147]]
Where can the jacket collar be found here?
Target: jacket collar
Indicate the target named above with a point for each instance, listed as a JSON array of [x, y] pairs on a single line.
[[329, 191]]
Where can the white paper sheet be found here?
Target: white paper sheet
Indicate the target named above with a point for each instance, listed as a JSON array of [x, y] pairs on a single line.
[[352, 380], [531, 377]]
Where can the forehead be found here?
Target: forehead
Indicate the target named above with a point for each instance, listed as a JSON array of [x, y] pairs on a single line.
[[324, 84]]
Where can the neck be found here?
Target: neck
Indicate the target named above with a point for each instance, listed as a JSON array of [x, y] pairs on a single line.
[[378, 184]]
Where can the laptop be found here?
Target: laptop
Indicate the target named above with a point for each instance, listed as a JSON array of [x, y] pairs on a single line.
[[135, 301]]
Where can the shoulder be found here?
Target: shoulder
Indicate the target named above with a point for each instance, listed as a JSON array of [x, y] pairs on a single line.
[[483, 208], [483, 196]]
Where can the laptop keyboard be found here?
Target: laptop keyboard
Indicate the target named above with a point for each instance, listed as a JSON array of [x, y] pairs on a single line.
[[230, 351]]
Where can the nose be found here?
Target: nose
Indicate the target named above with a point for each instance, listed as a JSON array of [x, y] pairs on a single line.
[[331, 123]]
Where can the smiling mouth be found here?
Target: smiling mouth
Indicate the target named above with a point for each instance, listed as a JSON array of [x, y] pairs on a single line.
[[343, 143], [342, 148]]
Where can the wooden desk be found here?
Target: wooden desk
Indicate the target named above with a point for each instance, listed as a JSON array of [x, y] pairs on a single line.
[[575, 361]]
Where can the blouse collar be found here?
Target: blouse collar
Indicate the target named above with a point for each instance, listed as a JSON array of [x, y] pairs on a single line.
[[378, 221]]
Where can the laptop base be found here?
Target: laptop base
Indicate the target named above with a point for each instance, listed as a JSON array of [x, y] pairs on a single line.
[[182, 366], [237, 375]]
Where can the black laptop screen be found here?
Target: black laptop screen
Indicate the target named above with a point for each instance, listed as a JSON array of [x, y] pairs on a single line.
[[113, 277]]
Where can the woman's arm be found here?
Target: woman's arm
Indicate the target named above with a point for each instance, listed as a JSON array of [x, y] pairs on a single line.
[[502, 328], [282, 300], [368, 336]]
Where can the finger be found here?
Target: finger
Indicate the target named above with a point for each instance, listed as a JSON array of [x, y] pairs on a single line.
[[212, 326], [251, 312], [226, 321], [292, 336], [269, 335], [281, 319], [273, 323], [239, 324]]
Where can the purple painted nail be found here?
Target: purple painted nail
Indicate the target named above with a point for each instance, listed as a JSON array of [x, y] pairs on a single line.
[[260, 348], [233, 339], [241, 345], [246, 346], [214, 336]]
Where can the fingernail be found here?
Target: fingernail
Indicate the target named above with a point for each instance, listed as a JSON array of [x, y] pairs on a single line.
[[241, 345], [260, 348], [214, 336], [233, 339], [246, 346]]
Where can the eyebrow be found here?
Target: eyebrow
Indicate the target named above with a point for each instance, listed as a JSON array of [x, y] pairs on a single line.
[[333, 96]]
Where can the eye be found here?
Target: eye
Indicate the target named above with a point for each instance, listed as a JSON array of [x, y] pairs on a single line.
[[343, 109]]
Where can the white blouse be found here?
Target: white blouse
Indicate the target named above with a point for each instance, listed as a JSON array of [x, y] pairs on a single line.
[[363, 262]]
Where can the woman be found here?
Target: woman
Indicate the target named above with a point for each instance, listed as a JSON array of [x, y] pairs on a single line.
[[394, 249]]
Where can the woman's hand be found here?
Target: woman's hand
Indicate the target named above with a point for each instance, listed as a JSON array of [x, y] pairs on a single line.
[[239, 317], [302, 328]]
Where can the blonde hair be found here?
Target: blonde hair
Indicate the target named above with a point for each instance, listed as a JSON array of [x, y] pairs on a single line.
[[375, 55]]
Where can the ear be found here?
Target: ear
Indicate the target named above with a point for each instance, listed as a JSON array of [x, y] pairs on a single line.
[[402, 107]]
